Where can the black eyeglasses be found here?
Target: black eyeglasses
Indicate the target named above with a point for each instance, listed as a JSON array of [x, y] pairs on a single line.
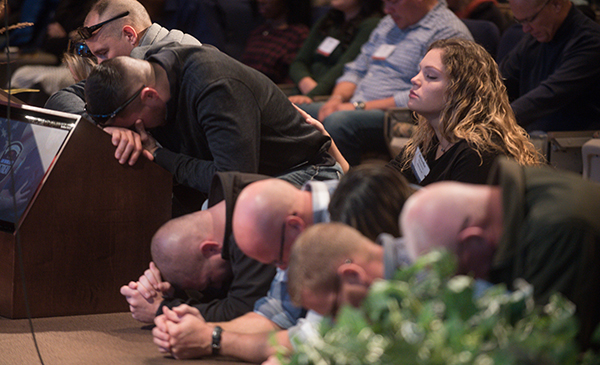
[[280, 262], [101, 119], [88, 32], [532, 18], [79, 49]]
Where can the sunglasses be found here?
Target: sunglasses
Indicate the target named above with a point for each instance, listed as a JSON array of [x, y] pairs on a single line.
[[88, 32], [280, 262], [79, 49], [101, 119]]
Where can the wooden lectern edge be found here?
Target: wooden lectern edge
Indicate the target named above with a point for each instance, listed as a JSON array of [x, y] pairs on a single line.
[[11, 305], [13, 99]]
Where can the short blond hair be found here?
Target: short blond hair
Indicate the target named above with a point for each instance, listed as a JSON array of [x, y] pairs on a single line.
[[316, 255], [138, 17]]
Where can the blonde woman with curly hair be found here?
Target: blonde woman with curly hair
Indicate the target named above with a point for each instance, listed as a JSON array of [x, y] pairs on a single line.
[[464, 118]]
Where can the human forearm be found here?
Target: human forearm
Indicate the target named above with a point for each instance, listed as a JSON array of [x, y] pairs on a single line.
[[250, 322], [247, 338], [215, 310], [255, 347], [337, 154], [184, 333], [382, 104], [306, 84], [338, 100], [333, 149], [343, 91], [333, 106], [186, 170]]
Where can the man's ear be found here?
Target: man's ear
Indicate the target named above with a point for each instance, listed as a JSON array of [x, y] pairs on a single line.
[[352, 273], [474, 252], [130, 34], [470, 233], [209, 248], [149, 95], [295, 225]]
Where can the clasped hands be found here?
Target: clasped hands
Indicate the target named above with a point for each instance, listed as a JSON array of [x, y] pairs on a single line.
[[183, 332], [145, 295], [131, 144]]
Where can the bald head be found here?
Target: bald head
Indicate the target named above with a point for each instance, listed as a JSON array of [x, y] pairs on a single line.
[[434, 215], [464, 219], [176, 249], [262, 211]]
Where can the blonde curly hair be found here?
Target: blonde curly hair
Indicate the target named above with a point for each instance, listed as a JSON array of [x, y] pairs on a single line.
[[477, 108]]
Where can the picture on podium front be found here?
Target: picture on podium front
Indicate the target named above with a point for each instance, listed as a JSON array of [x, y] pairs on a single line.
[[26, 153]]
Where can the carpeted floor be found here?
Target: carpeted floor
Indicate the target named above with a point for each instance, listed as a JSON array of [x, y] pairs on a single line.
[[107, 339]]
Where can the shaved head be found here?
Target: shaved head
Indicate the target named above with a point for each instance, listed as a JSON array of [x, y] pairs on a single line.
[[102, 10], [176, 249], [464, 219], [261, 212], [435, 215]]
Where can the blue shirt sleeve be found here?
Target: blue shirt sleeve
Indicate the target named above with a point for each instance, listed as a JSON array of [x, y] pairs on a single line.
[[277, 305]]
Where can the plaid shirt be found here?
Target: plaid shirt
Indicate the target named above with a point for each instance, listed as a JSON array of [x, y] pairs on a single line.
[[271, 51], [277, 305]]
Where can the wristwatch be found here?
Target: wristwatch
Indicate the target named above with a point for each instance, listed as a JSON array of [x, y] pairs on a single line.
[[216, 340], [359, 105], [156, 152]]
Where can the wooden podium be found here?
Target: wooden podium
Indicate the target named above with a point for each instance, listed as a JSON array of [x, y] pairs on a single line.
[[86, 233]]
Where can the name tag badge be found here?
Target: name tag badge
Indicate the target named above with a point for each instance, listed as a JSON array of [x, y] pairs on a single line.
[[419, 165], [327, 46], [383, 52]]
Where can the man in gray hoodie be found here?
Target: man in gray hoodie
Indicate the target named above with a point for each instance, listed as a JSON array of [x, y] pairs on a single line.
[[115, 28]]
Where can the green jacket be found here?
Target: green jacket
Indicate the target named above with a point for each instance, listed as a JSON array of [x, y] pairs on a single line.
[[326, 70], [551, 236]]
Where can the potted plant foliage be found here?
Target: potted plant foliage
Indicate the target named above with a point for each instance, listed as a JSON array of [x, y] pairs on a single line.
[[427, 315]]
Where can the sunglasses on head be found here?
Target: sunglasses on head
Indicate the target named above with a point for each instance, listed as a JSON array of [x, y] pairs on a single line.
[[88, 32], [79, 49]]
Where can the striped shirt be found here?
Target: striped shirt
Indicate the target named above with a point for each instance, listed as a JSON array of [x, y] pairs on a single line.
[[382, 78], [277, 305]]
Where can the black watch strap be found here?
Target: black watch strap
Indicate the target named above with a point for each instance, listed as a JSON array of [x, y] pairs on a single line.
[[156, 152], [216, 340]]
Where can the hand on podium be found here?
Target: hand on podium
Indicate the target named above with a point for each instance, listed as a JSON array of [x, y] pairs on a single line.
[[130, 144]]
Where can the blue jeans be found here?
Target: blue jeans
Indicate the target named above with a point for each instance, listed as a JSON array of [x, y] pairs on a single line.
[[312, 172], [354, 131], [305, 173]]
